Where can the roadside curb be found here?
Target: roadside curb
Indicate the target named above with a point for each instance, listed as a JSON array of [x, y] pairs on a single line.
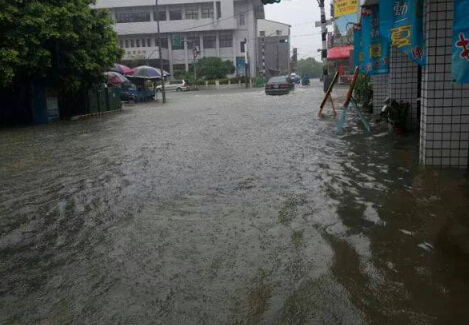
[[86, 116]]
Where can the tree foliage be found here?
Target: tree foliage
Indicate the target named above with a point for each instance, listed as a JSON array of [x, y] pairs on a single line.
[[214, 68], [310, 66], [64, 41]]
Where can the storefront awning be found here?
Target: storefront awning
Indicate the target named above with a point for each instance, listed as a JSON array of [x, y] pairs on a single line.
[[339, 52]]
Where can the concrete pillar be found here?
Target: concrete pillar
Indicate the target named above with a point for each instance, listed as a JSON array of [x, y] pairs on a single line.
[[186, 57], [235, 43], [170, 55], [201, 46], [218, 44], [444, 135], [403, 82], [380, 91]]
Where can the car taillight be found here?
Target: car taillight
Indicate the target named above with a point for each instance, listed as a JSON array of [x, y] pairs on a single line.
[[268, 86]]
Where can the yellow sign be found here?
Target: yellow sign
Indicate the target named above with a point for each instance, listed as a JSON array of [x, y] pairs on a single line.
[[375, 50], [400, 36], [345, 7]]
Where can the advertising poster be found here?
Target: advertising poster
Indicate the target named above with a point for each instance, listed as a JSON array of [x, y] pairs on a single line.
[[402, 25], [460, 67], [375, 48]]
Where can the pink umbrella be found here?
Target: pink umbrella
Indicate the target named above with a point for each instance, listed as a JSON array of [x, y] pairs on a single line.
[[122, 69], [116, 79]]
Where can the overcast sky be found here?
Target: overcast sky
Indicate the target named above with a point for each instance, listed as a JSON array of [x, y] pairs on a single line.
[[301, 15]]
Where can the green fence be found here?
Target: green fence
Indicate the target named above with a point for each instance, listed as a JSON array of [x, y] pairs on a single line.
[[104, 100]]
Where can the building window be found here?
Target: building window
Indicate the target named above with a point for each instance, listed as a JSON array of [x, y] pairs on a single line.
[[192, 42], [242, 47], [121, 43], [133, 17], [278, 32], [210, 42], [226, 40], [242, 22], [149, 42], [175, 14], [192, 13], [164, 42], [126, 43], [218, 4], [160, 13], [132, 43], [207, 11], [137, 42]]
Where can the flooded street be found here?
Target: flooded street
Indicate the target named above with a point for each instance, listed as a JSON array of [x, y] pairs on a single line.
[[228, 208]]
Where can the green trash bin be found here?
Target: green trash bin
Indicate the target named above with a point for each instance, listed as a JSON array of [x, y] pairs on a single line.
[[114, 99], [259, 82]]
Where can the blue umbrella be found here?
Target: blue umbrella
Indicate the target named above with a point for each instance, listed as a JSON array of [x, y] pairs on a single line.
[[166, 73], [146, 72]]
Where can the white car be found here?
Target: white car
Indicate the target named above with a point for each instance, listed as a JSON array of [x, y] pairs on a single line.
[[174, 85]]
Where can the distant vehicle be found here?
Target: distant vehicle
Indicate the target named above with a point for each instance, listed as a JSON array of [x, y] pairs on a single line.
[[295, 78], [174, 85], [281, 85], [305, 80]]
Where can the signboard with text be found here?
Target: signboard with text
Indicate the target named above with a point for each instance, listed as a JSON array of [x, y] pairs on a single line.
[[240, 66], [345, 7], [375, 48], [460, 67], [402, 25], [176, 41], [358, 54]]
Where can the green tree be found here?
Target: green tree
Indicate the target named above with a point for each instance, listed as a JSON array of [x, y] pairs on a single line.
[[214, 68], [310, 66], [64, 41]]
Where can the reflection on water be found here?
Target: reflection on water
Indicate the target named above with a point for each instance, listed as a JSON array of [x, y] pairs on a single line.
[[208, 211]]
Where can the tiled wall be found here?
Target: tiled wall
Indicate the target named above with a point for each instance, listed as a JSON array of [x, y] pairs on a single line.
[[404, 82], [444, 135], [380, 91]]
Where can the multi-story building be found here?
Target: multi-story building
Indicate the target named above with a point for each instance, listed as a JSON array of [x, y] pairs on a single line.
[[213, 28], [273, 48]]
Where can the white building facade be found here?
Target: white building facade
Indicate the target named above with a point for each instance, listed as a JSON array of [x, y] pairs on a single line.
[[215, 28]]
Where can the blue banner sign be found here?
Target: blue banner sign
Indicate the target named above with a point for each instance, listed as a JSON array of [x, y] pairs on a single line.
[[358, 55], [401, 23], [460, 68], [240, 66], [375, 48]]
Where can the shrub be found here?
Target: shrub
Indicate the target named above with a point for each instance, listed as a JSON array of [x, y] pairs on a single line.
[[364, 93]]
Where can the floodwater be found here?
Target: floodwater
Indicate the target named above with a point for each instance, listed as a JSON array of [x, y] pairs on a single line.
[[228, 208]]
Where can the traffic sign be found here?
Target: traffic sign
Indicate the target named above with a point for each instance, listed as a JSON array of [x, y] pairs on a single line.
[[176, 40], [318, 23]]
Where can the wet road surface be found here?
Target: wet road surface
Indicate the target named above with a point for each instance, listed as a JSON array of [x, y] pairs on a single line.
[[228, 208]]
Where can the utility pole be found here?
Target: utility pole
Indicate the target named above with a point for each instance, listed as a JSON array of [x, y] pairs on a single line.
[[278, 59], [325, 71], [263, 56], [163, 92], [246, 64]]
